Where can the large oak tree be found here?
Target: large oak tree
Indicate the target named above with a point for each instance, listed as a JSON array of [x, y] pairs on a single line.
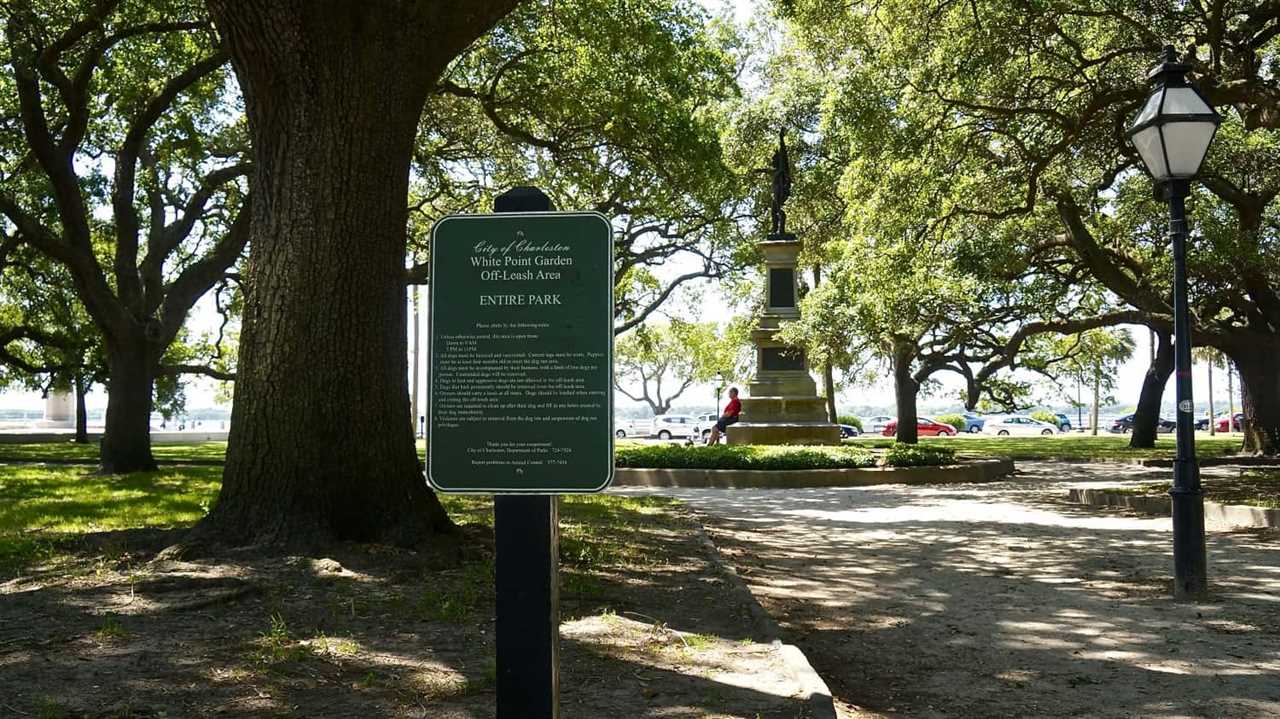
[[321, 442], [1030, 102], [118, 169]]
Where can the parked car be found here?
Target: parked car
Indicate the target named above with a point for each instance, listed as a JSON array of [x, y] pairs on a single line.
[[848, 430], [1202, 424], [1124, 425], [1010, 424], [925, 427], [973, 422], [623, 428], [1064, 422], [669, 426], [706, 421], [872, 425], [1236, 421]]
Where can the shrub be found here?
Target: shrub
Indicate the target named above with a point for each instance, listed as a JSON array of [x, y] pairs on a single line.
[[850, 419], [1046, 416], [918, 455], [955, 420], [741, 456]]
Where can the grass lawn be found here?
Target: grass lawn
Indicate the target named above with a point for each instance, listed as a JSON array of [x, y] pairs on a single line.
[[1254, 487], [71, 452], [43, 508], [1067, 446]]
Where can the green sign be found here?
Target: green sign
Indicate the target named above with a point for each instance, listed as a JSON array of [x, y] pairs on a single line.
[[520, 385]]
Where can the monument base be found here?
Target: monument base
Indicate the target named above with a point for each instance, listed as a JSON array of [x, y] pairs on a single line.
[[784, 420], [799, 433], [784, 384]]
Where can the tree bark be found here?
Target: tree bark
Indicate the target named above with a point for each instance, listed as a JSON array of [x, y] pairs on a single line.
[[905, 389], [321, 446], [1147, 417], [82, 413], [126, 438], [1260, 394]]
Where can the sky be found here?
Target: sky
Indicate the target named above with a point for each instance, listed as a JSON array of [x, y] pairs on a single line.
[[200, 392]]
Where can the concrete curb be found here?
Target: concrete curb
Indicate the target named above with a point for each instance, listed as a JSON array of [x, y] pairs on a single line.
[[971, 470], [1232, 515], [817, 696]]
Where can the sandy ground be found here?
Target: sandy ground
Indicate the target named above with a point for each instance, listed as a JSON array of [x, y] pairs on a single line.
[[1003, 600]]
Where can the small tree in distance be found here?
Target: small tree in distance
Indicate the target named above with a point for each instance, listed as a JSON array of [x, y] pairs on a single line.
[[656, 364]]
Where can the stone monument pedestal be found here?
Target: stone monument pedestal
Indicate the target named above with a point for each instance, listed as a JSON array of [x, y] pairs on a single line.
[[783, 406], [59, 410]]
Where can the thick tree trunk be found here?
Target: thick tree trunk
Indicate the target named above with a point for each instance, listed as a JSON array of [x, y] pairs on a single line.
[[82, 412], [321, 443], [126, 438], [1147, 417], [1260, 392], [905, 389]]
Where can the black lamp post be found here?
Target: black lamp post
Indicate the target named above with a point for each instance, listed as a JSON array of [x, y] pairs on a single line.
[[1172, 134]]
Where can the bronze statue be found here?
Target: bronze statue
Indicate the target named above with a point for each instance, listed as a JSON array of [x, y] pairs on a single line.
[[781, 185]]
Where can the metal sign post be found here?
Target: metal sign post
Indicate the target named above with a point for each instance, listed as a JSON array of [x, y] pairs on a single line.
[[521, 404]]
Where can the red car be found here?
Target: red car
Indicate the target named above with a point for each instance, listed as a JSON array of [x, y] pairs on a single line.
[[925, 427], [1235, 421]]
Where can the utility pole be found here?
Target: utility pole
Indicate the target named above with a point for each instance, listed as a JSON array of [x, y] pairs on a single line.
[[1213, 424], [1097, 397], [417, 351], [1231, 399]]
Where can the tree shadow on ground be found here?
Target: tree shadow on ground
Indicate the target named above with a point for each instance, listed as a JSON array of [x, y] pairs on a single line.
[[374, 631]]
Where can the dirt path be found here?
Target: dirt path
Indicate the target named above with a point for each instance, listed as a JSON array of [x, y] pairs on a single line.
[[1002, 600]]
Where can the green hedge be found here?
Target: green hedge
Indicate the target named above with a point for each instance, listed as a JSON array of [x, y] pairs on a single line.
[[918, 455], [741, 456], [955, 420], [851, 420]]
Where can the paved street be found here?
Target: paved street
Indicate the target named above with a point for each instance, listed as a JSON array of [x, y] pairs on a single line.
[[1004, 600]]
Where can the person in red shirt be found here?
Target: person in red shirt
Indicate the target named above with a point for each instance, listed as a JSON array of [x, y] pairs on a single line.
[[730, 416]]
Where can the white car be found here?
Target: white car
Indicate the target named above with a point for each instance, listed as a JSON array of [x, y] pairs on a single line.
[[1015, 424], [705, 422], [623, 428], [875, 425], [668, 426]]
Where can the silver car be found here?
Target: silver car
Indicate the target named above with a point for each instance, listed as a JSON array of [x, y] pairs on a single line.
[[875, 425]]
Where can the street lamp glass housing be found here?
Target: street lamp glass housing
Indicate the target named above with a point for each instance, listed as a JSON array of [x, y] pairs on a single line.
[[1173, 131]]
